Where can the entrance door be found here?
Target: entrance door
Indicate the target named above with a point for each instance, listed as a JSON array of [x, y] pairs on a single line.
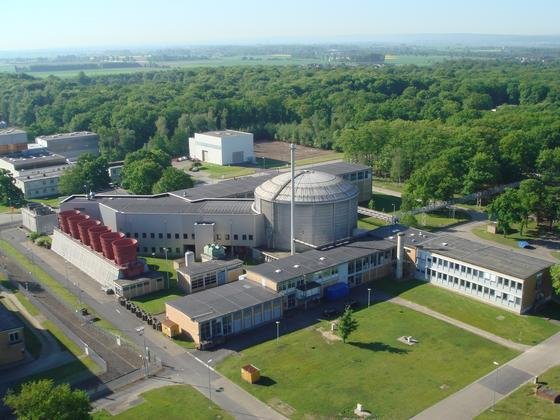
[[205, 155]]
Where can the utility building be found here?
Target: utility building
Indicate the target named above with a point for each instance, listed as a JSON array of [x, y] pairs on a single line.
[[70, 145], [224, 147]]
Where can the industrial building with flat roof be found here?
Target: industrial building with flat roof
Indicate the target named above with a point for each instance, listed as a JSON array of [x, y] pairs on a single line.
[[504, 278], [222, 147], [223, 311], [12, 140], [36, 171], [70, 145]]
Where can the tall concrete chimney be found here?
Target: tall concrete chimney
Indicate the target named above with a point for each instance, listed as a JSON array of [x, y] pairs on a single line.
[[292, 198], [400, 256]]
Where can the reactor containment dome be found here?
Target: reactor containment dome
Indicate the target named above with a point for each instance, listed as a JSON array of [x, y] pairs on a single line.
[[326, 209]]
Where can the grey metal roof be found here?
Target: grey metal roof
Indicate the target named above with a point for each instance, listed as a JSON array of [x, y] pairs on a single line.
[[196, 268], [66, 136], [316, 260], [167, 204], [310, 187], [237, 187], [8, 321], [222, 300], [505, 261]]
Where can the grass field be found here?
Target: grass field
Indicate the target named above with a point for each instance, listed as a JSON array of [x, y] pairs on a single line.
[[307, 376], [523, 329], [524, 405], [154, 303], [175, 402], [511, 238], [441, 218], [370, 223], [388, 184], [225, 172], [556, 254], [386, 203]]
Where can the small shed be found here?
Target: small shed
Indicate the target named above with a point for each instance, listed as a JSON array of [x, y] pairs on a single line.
[[169, 328], [250, 374]]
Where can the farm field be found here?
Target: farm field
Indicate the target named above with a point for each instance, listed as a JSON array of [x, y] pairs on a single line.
[[372, 368]]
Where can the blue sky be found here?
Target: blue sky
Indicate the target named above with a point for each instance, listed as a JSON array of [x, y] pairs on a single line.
[[38, 24]]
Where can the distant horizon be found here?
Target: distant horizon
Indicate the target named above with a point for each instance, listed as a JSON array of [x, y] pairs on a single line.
[[424, 39], [32, 25]]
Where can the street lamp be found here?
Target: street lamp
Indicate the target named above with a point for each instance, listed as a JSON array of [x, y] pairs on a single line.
[[166, 273], [140, 331], [495, 385], [277, 331], [368, 296], [209, 373]]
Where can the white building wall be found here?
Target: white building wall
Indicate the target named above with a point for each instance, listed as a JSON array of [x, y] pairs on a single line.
[[477, 282], [220, 149]]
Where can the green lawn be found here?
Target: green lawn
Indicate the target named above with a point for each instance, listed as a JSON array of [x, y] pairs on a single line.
[[556, 254], [388, 184], [441, 218], [154, 303], [511, 238], [523, 404], [225, 172], [184, 341], [523, 329], [170, 402], [6, 209], [386, 203], [370, 223], [320, 378]]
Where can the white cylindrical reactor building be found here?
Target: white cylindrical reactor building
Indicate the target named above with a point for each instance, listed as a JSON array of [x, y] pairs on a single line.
[[326, 208]]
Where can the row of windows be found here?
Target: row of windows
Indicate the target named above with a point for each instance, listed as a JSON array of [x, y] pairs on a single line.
[[502, 281], [144, 235], [356, 175], [474, 288], [203, 281]]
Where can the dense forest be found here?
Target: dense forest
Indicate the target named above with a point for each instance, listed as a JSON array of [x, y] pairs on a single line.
[[453, 127]]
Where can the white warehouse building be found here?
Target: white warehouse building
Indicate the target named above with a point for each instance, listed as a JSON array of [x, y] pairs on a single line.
[[222, 147]]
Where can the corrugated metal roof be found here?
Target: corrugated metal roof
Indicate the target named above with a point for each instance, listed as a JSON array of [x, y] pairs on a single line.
[[228, 298], [310, 187]]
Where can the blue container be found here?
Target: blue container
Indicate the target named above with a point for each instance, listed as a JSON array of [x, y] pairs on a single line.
[[337, 291]]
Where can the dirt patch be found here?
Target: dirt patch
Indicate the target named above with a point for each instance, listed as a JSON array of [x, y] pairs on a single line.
[[281, 407], [329, 335], [279, 151]]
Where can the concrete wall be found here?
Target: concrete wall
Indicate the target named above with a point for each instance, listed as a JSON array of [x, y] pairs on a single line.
[[43, 224], [11, 352], [35, 187], [221, 150], [92, 263]]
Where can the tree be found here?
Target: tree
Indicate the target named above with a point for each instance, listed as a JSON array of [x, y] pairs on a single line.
[[172, 179], [531, 194], [140, 176], [347, 324], [42, 400], [482, 172], [555, 276], [505, 209], [548, 165], [10, 195], [88, 174]]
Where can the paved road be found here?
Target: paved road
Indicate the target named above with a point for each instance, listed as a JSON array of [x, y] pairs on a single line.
[[479, 396], [386, 191], [182, 366]]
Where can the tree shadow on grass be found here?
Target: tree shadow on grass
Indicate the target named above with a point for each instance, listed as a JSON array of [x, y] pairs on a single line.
[[265, 381], [377, 346]]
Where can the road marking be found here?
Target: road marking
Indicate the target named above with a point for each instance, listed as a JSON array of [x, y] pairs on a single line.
[[118, 311]]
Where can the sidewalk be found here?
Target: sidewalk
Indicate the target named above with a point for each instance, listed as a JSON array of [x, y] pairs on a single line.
[[485, 334], [479, 396]]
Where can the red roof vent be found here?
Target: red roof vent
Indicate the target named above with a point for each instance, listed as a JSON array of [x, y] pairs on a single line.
[[94, 233], [73, 224], [106, 240], [125, 250], [63, 219], [83, 229]]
